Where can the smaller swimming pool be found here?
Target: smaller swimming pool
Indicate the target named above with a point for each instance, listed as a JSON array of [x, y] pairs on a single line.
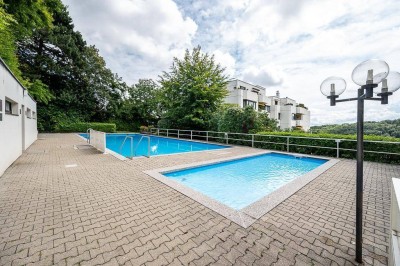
[[241, 182], [133, 146]]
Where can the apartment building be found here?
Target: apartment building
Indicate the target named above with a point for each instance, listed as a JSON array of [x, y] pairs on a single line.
[[286, 111], [18, 124]]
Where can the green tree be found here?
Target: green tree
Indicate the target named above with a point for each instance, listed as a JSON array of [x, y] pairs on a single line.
[[68, 78], [241, 120], [192, 91], [18, 22], [8, 45], [142, 103]]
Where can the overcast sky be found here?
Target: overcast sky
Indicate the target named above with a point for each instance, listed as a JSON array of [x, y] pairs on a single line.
[[290, 46]]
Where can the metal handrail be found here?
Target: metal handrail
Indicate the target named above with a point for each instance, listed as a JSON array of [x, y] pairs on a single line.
[[210, 135], [123, 142], [88, 132], [148, 145]]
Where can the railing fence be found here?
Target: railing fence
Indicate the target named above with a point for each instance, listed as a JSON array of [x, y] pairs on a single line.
[[381, 151]]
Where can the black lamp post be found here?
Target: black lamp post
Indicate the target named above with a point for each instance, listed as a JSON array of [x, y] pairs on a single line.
[[368, 75]]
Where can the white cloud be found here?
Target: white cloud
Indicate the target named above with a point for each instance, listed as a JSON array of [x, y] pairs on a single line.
[[267, 76], [225, 60], [287, 45], [137, 38]]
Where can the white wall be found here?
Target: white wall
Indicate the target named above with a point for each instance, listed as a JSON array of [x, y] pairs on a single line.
[[283, 111], [12, 142]]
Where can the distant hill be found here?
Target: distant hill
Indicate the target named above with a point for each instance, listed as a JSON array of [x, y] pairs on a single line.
[[390, 128]]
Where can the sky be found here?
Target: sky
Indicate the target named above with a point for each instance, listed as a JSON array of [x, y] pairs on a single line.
[[290, 46]]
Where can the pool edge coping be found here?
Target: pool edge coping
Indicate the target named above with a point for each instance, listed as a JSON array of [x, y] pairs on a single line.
[[123, 158], [248, 215]]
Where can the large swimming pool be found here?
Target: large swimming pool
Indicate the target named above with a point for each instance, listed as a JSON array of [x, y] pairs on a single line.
[[133, 146], [241, 182]]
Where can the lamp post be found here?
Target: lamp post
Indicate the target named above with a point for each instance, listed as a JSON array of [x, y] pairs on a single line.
[[369, 75]]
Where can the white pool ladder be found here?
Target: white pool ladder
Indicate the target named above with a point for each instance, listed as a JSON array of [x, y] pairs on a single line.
[[88, 134], [148, 145], [123, 142]]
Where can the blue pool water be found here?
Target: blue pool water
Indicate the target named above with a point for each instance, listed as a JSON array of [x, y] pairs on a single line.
[[158, 145], [240, 182]]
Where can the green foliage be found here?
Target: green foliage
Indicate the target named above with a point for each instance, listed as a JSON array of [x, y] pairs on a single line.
[[31, 16], [8, 46], [142, 103], [40, 91], [390, 128], [307, 143], [83, 127], [192, 91], [235, 119], [65, 71]]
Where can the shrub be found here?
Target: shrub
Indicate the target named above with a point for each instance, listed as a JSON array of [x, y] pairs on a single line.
[[241, 120], [307, 144], [83, 127], [144, 129]]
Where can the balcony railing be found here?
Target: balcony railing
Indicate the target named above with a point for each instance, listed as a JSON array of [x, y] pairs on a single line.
[[380, 151]]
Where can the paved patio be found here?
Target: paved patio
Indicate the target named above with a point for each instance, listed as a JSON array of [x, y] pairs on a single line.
[[105, 210]]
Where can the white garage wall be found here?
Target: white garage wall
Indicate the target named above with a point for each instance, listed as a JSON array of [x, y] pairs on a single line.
[[17, 131]]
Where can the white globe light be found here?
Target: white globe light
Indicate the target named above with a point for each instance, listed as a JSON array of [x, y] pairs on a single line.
[[333, 86], [370, 71], [391, 83]]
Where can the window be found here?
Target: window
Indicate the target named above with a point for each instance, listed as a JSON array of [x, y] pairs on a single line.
[[268, 108], [34, 115], [276, 102], [242, 88], [11, 107], [297, 116], [279, 116], [28, 113], [8, 108], [249, 103]]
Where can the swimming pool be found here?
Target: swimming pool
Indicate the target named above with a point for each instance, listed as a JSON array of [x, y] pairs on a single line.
[[241, 182], [158, 145]]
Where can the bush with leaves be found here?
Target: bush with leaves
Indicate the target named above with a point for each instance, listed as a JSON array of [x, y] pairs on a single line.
[[231, 118], [192, 91]]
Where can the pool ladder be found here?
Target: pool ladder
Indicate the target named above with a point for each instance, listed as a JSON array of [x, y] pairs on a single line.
[[148, 144], [123, 143], [88, 134], [133, 150]]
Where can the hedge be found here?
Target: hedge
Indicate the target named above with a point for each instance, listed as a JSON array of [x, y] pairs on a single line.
[[278, 141], [83, 127], [328, 141]]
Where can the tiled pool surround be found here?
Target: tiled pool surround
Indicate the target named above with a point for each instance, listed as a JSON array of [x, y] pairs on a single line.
[[249, 214]]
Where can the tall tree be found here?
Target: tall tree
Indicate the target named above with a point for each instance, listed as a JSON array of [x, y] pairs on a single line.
[[142, 103], [192, 90], [84, 89], [29, 16], [8, 45]]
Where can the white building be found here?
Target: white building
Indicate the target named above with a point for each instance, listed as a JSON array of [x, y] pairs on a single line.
[[286, 111], [18, 124]]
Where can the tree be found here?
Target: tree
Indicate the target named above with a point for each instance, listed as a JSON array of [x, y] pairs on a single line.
[[8, 46], [192, 91], [232, 118], [18, 22], [142, 103], [82, 87]]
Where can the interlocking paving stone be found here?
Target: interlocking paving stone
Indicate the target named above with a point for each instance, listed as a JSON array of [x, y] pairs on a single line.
[[107, 211]]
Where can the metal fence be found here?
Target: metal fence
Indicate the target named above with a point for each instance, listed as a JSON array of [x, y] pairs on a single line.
[[380, 151]]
